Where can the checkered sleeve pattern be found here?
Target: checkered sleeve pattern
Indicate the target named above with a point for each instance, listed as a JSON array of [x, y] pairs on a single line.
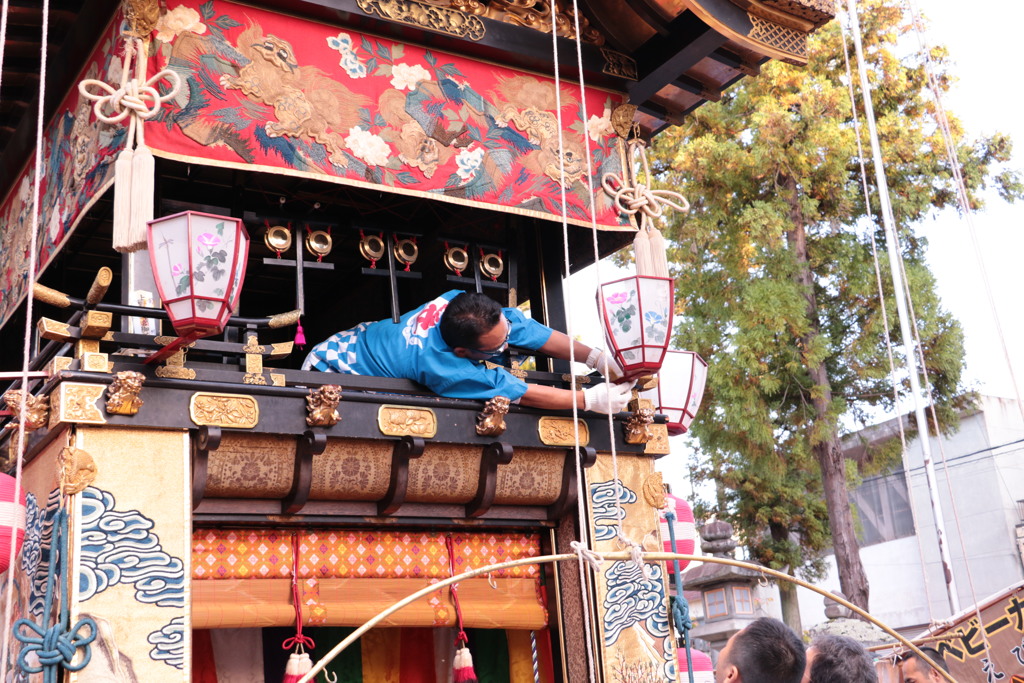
[[335, 354]]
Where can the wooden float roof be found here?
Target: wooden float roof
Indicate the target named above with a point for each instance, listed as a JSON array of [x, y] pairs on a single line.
[[671, 56]]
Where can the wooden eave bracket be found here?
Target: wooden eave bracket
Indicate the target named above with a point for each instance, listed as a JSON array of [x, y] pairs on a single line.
[[312, 442], [568, 497], [496, 453], [405, 449]]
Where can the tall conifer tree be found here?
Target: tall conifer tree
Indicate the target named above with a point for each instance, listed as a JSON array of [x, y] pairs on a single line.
[[776, 283]]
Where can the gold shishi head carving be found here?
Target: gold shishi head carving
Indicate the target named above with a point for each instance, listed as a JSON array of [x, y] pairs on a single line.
[[322, 406], [123, 393], [638, 425], [32, 411], [491, 420]]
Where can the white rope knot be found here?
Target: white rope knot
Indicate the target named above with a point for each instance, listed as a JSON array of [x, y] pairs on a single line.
[[636, 554], [144, 100], [639, 198], [587, 555]]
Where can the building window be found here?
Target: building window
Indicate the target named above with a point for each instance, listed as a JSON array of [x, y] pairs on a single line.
[[883, 509], [714, 602], [742, 600]]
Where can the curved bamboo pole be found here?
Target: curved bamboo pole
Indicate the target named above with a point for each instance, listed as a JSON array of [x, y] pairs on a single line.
[[616, 556]]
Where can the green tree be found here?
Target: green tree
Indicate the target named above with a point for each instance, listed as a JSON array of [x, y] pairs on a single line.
[[776, 284]]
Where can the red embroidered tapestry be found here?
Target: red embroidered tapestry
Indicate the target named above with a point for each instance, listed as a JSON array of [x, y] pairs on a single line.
[[271, 92]]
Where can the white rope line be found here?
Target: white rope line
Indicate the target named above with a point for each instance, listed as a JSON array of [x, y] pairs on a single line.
[[29, 300], [904, 453], [961, 192], [632, 197], [582, 490], [591, 557]]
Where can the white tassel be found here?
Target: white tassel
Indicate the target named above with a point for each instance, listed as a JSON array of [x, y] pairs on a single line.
[[659, 252], [123, 199], [143, 170], [642, 251]]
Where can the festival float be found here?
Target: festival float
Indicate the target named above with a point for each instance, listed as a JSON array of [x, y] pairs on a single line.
[[192, 189]]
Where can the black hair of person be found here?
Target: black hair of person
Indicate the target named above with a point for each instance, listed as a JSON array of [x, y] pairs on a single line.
[[923, 666], [768, 651], [838, 659], [468, 317]]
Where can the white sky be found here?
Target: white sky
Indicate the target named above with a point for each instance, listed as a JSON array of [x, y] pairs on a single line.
[[980, 38]]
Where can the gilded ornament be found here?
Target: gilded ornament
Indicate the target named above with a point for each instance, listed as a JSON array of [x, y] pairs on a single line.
[[31, 410], [491, 420], [54, 330], [224, 410], [77, 470], [175, 372], [322, 406], [94, 362], [123, 393], [78, 403], [95, 324], [654, 490], [280, 350], [58, 364], [276, 379], [622, 120], [141, 16], [637, 425], [558, 431], [440, 19], [252, 345], [618, 64], [406, 421], [254, 378], [659, 444]]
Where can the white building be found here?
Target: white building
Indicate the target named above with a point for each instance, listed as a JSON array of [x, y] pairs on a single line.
[[981, 494]]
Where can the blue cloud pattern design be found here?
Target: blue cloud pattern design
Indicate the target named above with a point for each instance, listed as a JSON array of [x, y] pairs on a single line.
[[633, 599], [35, 553], [120, 547], [169, 643], [606, 513]]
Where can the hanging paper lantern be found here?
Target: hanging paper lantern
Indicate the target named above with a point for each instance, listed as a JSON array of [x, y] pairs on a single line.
[[12, 519], [637, 316], [700, 664], [680, 389], [685, 530]]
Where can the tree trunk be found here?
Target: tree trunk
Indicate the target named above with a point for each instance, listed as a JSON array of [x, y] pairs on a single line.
[[789, 602], [828, 451]]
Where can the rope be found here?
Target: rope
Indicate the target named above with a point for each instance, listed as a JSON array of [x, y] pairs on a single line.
[[299, 642], [29, 300], [904, 453], [680, 607], [534, 657], [581, 546], [631, 197], [54, 646], [133, 96], [657, 557]]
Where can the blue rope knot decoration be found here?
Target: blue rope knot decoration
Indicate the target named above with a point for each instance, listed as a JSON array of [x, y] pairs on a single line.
[[55, 646], [680, 608]]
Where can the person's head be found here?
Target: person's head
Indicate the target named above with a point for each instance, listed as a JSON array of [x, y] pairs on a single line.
[[838, 659], [917, 670], [473, 327], [766, 651]]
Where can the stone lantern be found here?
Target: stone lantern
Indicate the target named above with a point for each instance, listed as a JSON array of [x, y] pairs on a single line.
[[726, 592]]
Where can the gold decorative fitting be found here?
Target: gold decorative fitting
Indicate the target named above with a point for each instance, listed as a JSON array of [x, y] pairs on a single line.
[[517, 371], [492, 265], [322, 406], [94, 362], [456, 259], [491, 420], [618, 64], [319, 243], [77, 470], [84, 346], [175, 372], [78, 403], [50, 296], [622, 120], [57, 364], [659, 444], [406, 252], [787, 40], [558, 431], [95, 324], [653, 490], [406, 421], [580, 379], [31, 410], [637, 425], [284, 319], [276, 379], [53, 330], [440, 19], [278, 238], [646, 383], [236, 411], [372, 248], [254, 378], [141, 16], [123, 393]]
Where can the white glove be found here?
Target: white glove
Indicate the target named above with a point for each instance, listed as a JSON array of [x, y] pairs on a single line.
[[608, 398], [596, 361]]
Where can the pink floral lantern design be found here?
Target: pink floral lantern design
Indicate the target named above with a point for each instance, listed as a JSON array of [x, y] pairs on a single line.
[[680, 389], [199, 264], [637, 316]]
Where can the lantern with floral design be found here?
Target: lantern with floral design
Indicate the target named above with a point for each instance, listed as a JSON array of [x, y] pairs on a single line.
[[680, 388], [199, 263], [637, 316]]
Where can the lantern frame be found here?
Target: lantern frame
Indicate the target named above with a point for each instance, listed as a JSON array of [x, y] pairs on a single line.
[[680, 413], [653, 339], [205, 313]]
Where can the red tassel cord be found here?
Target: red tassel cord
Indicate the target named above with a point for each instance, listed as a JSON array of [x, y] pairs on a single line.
[[462, 667], [300, 336], [299, 663]]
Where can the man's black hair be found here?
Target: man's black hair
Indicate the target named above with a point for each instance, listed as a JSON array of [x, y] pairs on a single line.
[[838, 659], [923, 666], [768, 651], [468, 317]]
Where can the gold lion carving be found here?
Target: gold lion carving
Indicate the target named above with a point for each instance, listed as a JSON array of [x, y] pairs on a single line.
[[77, 470], [31, 410], [123, 393], [638, 426], [322, 405], [491, 420], [308, 104]]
